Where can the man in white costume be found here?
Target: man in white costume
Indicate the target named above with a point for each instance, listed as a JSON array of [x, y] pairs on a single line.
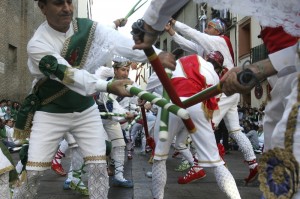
[[108, 102], [213, 38], [191, 75], [280, 33], [62, 55], [74, 179]]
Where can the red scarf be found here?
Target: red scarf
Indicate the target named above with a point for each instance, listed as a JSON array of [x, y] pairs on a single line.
[[277, 39], [228, 42]]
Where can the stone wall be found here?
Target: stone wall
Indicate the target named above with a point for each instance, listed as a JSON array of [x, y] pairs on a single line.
[[18, 21]]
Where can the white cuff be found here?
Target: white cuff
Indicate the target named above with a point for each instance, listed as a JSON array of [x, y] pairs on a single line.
[[283, 58], [101, 85]]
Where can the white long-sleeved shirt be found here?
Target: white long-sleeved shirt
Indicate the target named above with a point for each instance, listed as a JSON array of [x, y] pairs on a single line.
[[106, 43], [187, 45], [202, 42], [159, 12]]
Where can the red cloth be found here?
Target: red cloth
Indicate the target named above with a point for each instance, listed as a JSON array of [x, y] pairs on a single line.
[[223, 72], [228, 42], [194, 82], [277, 39]]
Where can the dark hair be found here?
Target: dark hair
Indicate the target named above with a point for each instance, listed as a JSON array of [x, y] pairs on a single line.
[[214, 63], [43, 1], [224, 22]]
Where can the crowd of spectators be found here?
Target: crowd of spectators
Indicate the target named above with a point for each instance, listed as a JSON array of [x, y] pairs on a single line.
[[251, 119], [8, 117]]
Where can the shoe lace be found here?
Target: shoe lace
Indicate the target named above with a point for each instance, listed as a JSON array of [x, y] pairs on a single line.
[[77, 174], [251, 162], [181, 166], [190, 172], [59, 155]]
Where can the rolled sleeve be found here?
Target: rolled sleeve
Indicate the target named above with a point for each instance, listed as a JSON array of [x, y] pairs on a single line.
[[284, 58]]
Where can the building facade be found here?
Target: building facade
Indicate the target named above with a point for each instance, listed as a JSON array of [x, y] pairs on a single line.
[[18, 21], [243, 32]]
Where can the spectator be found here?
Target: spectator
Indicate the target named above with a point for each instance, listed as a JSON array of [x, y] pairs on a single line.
[[260, 133], [3, 109], [9, 126], [14, 110], [251, 133]]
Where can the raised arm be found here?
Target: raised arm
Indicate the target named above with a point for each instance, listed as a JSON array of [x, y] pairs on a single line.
[[156, 17]]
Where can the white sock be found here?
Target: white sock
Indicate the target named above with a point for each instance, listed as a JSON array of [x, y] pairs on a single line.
[[159, 178], [4, 185], [118, 154], [29, 188], [98, 181], [226, 182], [76, 165], [244, 145], [187, 155]]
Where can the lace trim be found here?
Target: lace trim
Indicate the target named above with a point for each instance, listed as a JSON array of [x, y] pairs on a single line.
[[94, 158], [292, 122], [201, 161], [55, 96], [161, 155], [89, 44], [100, 50], [39, 164], [6, 169], [234, 131]]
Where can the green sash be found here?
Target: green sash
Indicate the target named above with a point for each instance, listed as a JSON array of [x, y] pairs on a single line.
[[12, 172], [52, 96]]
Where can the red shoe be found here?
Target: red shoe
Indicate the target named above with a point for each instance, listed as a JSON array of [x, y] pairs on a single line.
[[252, 175], [192, 175], [58, 169], [175, 154], [129, 156]]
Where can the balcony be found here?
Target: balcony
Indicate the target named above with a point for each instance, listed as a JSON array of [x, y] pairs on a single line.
[[258, 53]]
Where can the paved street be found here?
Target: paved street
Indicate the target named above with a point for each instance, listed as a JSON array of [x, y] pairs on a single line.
[[136, 169]]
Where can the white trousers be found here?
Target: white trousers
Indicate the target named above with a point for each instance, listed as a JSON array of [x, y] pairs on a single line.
[[5, 164], [228, 112], [49, 128], [114, 132], [203, 139]]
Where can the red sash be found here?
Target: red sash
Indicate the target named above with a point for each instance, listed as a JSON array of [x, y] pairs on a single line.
[[194, 82], [228, 42]]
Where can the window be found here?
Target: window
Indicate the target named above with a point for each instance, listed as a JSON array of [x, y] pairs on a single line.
[[165, 45], [244, 38], [12, 55]]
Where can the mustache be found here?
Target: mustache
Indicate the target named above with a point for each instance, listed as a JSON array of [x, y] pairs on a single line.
[[67, 14]]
